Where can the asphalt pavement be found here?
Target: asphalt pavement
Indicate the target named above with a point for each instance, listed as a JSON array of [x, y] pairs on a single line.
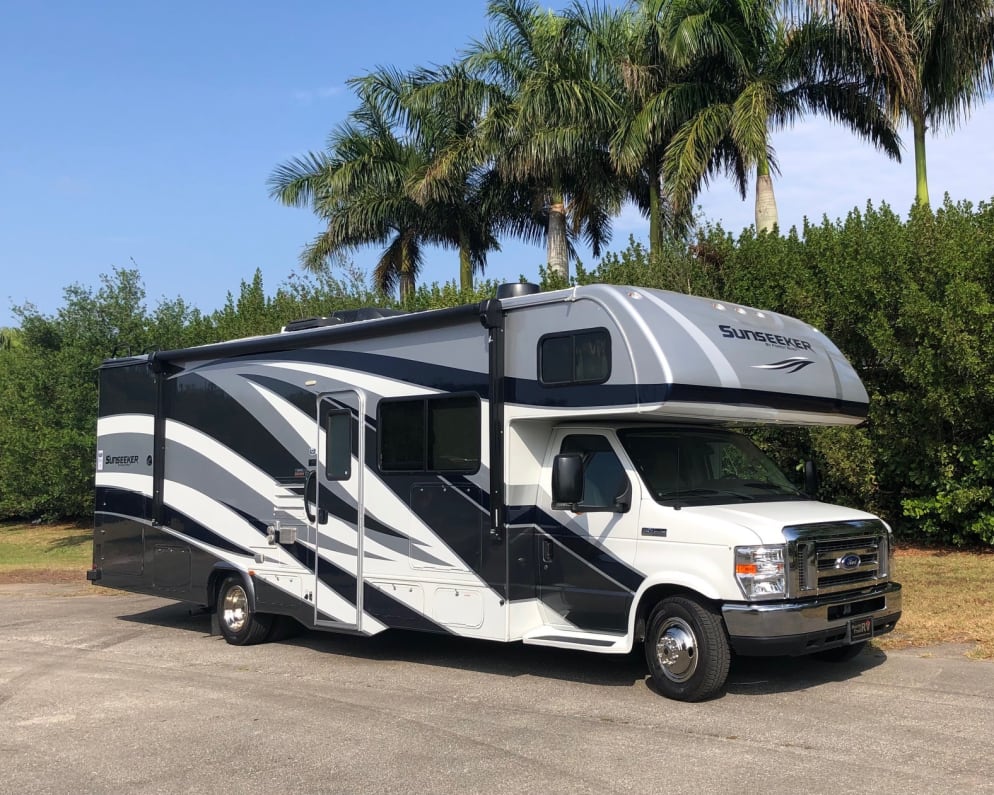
[[106, 692]]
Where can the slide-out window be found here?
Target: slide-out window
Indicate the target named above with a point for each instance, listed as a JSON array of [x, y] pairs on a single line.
[[429, 434], [577, 357]]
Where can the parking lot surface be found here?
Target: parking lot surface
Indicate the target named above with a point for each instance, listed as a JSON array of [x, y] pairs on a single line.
[[110, 692]]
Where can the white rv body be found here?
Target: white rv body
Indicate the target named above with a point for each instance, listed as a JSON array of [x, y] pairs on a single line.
[[399, 472]]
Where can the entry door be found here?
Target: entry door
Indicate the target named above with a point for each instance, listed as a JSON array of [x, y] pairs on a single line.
[[338, 516]]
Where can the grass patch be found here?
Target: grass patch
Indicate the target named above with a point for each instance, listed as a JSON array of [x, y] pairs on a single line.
[[947, 599], [45, 553]]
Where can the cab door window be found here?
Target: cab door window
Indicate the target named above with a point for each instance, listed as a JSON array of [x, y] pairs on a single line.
[[605, 483]]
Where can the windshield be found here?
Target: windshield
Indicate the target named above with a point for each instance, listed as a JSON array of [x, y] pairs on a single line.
[[691, 466]]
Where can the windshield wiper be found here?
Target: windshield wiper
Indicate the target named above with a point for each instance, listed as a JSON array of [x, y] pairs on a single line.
[[763, 484], [680, 493]]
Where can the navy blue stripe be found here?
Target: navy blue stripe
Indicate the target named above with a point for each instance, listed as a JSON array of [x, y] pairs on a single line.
[[124, 502], [138, 506], [201, 404], [392, 612], [303, 399], [531, 393], [598, 558]]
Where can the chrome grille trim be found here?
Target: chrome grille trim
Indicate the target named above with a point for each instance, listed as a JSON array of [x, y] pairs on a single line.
[[815, 553]]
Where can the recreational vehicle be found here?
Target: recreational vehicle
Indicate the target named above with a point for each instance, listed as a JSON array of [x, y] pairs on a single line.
[[559, 469]]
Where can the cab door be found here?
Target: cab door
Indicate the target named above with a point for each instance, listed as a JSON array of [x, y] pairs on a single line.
[[584, 555], [335, 509]]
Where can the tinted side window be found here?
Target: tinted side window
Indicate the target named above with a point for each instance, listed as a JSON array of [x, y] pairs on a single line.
[[581, 357], [430, 434], [402, 434], [454, 434]]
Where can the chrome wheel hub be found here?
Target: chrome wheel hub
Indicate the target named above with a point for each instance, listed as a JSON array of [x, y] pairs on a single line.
[[676, 650], [234, 611]]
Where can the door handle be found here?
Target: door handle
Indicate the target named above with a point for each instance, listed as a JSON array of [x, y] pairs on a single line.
[[310, 483], [547, 550]]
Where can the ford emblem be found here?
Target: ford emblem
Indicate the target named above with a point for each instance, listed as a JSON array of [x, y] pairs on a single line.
[[848, 562]]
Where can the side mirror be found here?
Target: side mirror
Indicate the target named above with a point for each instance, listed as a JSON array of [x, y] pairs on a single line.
[[811, 479], [567, 480], [623, 502]]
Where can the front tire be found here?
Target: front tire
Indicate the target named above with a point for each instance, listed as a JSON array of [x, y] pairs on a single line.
[[240, 625], [687, 649]]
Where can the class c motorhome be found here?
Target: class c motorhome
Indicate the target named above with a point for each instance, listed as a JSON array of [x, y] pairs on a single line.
[[559, 469]]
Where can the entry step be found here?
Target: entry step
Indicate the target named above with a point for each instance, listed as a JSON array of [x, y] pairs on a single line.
[[567, 638]]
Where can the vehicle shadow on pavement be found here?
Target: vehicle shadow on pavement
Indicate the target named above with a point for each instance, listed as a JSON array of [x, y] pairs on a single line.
[[765, 675], [748, 675]]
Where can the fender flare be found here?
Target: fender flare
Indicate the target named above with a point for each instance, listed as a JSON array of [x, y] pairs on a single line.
[[677, 580], [221, 571]]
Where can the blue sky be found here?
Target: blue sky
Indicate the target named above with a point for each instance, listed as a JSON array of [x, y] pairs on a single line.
[[145, 132]]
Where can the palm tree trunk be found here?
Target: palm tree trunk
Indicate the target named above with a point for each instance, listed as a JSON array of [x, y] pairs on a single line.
[[656, 212], [406, 275], [465, 262], [557, 251], [766, 202], [921, 177]]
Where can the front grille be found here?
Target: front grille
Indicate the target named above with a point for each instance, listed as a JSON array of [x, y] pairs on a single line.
[[836, 556]]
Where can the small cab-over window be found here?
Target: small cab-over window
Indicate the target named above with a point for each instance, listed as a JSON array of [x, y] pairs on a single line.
[[576, 357], [430, 434]]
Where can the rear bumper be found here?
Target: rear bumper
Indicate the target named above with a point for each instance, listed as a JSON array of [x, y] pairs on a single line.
[[795, 628]]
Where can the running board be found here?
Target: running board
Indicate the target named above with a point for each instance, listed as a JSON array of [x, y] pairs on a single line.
[[563, 638]]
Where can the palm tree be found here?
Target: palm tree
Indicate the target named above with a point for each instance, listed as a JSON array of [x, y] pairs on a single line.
[[630, 56], [748, 72], [544, 124], [431, 106], [357, 187], [937, 57], [361, 187]]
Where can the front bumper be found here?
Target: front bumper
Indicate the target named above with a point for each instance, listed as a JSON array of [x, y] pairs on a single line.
[[795, 628]]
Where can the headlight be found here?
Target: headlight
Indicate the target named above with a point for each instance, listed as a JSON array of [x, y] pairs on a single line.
[[760, 571]]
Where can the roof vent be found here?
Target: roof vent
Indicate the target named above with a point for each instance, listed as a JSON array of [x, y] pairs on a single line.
[[365, 313], [311, 322], [342, 316], [516, 289]]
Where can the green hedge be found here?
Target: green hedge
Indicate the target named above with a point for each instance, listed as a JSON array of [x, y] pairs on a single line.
[[908, 300]]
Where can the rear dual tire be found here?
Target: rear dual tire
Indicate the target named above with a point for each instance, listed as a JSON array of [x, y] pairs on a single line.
[[240, 625]]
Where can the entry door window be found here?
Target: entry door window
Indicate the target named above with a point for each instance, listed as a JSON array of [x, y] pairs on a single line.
[[604, 478], [338, 438]]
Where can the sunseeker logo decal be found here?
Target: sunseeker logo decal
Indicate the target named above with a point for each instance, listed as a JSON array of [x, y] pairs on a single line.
[[774, 340], [120, 460], [791, 365]]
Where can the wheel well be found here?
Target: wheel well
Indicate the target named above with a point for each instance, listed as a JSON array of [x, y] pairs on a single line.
[[218, 576], [653, 596]]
